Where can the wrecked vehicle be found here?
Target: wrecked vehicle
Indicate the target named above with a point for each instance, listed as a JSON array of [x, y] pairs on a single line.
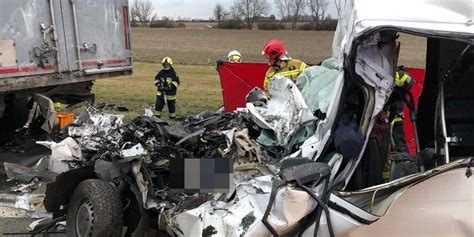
[[305, 162]]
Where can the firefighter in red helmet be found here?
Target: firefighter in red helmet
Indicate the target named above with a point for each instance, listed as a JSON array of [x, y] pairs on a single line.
[[281, 64]]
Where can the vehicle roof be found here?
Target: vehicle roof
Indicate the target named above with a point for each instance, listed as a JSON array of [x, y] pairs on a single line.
[[445, 17]]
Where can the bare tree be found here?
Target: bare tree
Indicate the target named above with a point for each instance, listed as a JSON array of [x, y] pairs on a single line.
[[290, 11], [323, 11], [142, 11], [318, 10], [250, 10], [219, 13], [338, 5]]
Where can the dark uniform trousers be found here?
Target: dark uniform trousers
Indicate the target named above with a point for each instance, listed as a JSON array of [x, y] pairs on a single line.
[[405, 82], [160, 104]]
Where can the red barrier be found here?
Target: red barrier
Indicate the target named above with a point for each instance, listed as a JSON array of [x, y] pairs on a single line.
[[237, 79], [419, 76]]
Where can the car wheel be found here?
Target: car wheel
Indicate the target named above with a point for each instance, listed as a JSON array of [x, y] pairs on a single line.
[[95, 210]]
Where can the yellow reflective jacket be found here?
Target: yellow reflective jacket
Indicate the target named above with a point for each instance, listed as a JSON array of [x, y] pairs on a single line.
[[402, 79], [290, 69]]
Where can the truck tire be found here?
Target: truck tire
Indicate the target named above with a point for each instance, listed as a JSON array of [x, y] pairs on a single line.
[[95, 209], [15, 115]]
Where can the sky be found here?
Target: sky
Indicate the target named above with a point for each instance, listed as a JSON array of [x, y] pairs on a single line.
[[200, 9]]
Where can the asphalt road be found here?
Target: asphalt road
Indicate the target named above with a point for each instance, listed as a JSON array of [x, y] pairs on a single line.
[[14, 220], [17, 226], [26, 153]]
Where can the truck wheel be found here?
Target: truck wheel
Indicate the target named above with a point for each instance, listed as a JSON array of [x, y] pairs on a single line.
[[15, 115], [95, 210]]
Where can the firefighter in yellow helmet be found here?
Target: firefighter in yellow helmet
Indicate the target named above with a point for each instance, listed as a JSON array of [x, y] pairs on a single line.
[[234, 56], [281, 64], [167, 82]]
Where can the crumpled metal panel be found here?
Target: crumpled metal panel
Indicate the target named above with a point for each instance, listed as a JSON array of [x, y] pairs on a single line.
[[94, 123], [135, 152], [47, 110], [374, 63], [144, 185], [284, 113], [245, 146], [243, 215], [62, 155], [66, 150], [443, 207]]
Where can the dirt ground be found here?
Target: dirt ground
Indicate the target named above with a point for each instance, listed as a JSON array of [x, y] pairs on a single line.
[[205, 46], [200, 46]]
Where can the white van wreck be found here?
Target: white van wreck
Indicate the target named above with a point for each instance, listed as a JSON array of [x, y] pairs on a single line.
[[307, 161]]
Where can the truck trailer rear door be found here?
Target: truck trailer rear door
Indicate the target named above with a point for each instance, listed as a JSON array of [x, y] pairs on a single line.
[[99, 31]]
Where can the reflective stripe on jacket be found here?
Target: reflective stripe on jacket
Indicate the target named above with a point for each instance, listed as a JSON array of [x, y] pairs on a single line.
[[169, 80], [402, 79], [290, 69]]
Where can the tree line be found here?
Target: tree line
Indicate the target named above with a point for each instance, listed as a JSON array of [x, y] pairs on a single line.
[[251, 14]]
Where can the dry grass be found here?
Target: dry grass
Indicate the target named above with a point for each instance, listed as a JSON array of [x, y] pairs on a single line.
[[197, 46], [205, 46], [199, 90], [200, 25], [195, 52], [412, 51]]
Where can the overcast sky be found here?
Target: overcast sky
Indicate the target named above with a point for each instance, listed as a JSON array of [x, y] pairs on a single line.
[[200, 9]]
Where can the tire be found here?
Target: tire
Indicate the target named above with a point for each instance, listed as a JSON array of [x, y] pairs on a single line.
[[95, 210], [15, 115]]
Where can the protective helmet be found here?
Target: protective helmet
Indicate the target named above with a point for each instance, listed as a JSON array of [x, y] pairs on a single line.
[[234, 56], [57, 106], [274, 49], [167, 61]]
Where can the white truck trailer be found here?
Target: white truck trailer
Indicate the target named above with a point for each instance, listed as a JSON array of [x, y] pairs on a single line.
[[57, 48]]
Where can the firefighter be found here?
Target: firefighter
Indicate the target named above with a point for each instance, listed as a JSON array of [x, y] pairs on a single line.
[[234, 57], [403, 84], [167, 82], [281, 64]]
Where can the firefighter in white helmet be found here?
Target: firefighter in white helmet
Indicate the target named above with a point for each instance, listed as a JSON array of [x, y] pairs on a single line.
[[234, 57], [167, 82]]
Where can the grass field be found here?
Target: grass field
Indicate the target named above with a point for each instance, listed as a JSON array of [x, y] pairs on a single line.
[[199, 90], [205, 46], [195, 51]]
